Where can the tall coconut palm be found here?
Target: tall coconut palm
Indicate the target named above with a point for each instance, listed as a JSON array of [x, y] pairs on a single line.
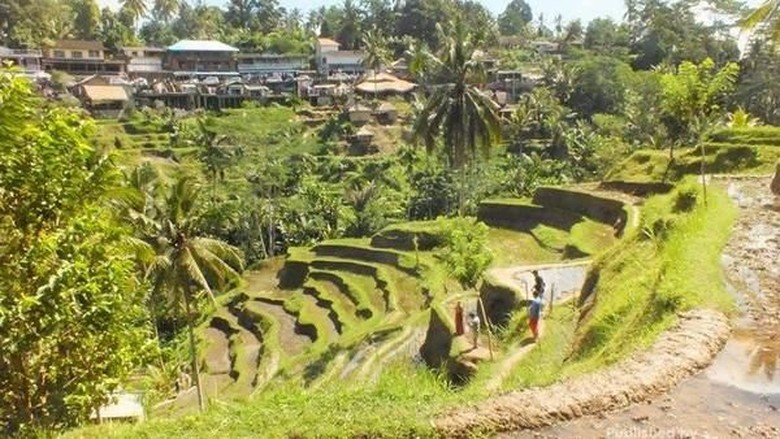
[[165, 9], [134, 8], [217, 153], [375, 54], [458, 111], [187, 265], [766, 17]]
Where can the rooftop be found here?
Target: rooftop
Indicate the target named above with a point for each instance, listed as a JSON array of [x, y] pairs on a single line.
[[328, 42], [78, 45], [201, 46], [142, 49], [105, 93]]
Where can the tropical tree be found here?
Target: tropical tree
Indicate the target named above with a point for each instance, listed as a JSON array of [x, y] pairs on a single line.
[[268, 182], [765, 17], [463, 116], [135, 9], [691, 94], [217, 152], [185, 265], [71, 328], [417, 59], [515, 17], [165, 9], [375, 53]]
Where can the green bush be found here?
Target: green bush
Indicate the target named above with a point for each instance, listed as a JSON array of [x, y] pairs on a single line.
[[466, 252], [685, 199]]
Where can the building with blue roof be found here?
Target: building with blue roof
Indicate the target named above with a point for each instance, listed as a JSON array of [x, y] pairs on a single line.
[[201, 58]]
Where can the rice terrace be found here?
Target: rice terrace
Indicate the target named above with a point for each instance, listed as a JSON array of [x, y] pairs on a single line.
[[389, 219]]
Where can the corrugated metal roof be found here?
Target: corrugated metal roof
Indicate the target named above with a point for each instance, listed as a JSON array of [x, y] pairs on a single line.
[[201, 46]]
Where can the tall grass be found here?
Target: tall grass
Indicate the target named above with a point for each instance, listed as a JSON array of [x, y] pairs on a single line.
[[399, 405], [671, 264]]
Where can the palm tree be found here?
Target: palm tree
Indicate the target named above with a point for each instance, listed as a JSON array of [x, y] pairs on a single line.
[[375, 54], [165, 9], [134, 8], [185, 264], [217, 153], [766, 17], [464, 116], [417, 59]]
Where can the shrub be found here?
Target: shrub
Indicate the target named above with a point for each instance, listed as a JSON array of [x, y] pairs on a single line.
[[466, 252], [685, 199]]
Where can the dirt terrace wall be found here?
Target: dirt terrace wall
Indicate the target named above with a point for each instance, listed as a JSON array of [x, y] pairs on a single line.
[[500, 301], [603, 210], [435, 350], [524, 218], [293, 274], [678, 354], [404, 240], [381, 256], [638, 189]]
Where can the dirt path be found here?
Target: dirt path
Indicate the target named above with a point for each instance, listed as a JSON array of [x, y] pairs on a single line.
[[739, 394], [678, 354], [509, 362]]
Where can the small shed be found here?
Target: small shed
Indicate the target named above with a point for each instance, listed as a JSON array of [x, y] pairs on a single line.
[[359, 114], [104, 100], [124, 407], [386, 114], [384, 83], [360, 142]]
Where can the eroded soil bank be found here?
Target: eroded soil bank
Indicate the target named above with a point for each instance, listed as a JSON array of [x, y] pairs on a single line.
[[678, 354], [739, 394]]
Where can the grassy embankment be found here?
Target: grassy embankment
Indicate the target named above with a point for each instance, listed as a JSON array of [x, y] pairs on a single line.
[[733, 151], [671, 263]]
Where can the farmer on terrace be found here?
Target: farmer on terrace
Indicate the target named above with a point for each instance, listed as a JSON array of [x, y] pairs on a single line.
[[534, 314], [538, 284], [474, 328], [459, 319]]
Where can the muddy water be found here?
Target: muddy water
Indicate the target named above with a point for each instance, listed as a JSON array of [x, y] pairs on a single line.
[[561, 281], [739, 394]]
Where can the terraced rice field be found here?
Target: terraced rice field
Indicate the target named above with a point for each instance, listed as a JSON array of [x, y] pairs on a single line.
[[344, 309]]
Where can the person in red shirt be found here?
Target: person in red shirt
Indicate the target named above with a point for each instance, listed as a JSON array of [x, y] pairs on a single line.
[[459, 319]]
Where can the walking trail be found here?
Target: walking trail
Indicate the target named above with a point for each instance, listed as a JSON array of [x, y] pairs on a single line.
[[563, 282]]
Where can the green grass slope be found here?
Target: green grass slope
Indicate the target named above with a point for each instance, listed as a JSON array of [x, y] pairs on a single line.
[[728, 151]]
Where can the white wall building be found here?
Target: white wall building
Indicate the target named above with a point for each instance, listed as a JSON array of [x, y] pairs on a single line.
[[329, 58], [143, 60], [270, 64]]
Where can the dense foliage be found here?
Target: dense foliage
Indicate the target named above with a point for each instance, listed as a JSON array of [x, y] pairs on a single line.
[[72, 321]]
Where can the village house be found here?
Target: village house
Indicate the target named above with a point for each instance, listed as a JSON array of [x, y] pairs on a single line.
[[80, 57], [28, 60], [200, 58], [144, 62], [329, 59], [269, 64]]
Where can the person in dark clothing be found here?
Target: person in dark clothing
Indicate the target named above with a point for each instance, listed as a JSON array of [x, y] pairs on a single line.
[[539, 285]]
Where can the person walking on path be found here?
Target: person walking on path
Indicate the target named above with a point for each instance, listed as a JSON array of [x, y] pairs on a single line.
[[534, 314], [538, 284], [459, 319], [474, 328]]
